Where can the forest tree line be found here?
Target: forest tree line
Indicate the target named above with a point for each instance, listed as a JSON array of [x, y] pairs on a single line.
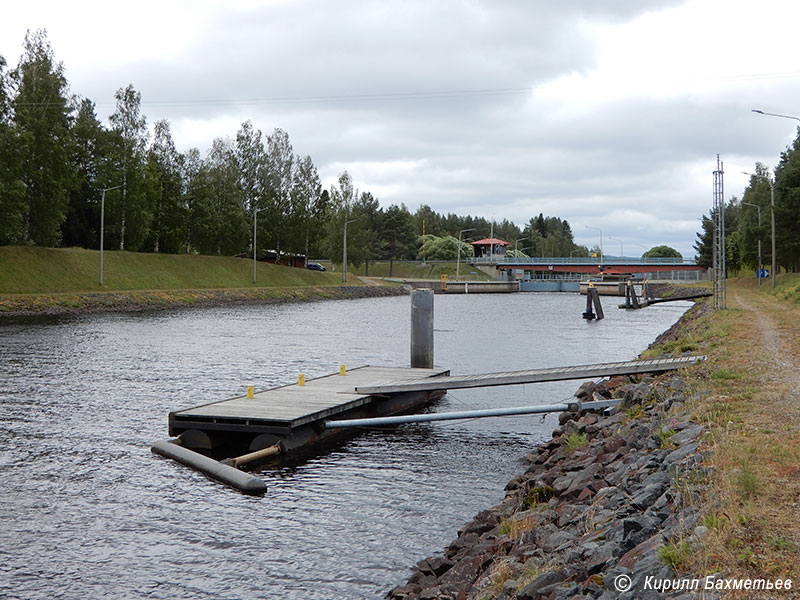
[[742, 228], [59, 164]]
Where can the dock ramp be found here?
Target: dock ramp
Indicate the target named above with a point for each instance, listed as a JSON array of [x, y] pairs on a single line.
[[455, 382]]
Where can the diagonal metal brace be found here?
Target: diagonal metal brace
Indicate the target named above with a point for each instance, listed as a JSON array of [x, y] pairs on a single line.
[[472, 414]]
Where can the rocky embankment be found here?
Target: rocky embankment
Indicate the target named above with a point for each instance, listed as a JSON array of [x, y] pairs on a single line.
[[611, 500], [16, 305]]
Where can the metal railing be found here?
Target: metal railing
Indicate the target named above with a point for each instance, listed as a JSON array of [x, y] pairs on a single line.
[[559, 260]]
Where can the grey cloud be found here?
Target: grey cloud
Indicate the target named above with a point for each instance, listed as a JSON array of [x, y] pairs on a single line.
[[620, 164]]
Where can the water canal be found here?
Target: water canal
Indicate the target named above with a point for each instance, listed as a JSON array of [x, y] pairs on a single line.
[[86, 511]]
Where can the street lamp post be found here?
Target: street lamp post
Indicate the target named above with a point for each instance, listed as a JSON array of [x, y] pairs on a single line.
[[103, 224], [601, 241], [760, 265], [516, 244], [458, 259], [344, 250], [255, 219], [769, 114], [621, 246], [774, 274]]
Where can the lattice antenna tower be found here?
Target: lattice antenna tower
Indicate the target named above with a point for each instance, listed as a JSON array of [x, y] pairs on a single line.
[[719, 269]]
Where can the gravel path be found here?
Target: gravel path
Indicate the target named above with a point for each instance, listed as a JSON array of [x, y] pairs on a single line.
[[776, 343]]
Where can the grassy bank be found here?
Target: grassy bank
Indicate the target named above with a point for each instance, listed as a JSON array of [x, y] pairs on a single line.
[[35, 280], [32, 270], [749, 392]]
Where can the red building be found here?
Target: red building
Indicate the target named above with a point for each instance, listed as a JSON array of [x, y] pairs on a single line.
[[490, 248]]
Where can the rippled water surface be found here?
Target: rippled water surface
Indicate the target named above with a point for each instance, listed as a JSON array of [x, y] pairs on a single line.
[[86, 511]]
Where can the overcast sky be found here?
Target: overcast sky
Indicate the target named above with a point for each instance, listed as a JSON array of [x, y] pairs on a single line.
[[607, 113]]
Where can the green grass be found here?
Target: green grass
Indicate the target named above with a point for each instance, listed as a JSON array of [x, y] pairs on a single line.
[[675, 555], [722, 374], [787, 287], [748, 482], [665, 436], [576, 441], [33, 270], [538, 495]]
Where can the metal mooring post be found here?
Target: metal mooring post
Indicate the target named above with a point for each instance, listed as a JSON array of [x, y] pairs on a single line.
[[593, 298], [422, 329], [597, 306]]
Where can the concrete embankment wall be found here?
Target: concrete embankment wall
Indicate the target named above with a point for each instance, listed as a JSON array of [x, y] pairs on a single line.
[[465, 287], [549, 285]]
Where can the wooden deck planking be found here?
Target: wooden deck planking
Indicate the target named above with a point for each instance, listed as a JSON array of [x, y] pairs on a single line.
[[532, 375], [295, 405]]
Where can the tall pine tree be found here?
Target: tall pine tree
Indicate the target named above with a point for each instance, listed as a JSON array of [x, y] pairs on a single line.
[[40, 134], [87, 147], [12, 188], [787, 207]]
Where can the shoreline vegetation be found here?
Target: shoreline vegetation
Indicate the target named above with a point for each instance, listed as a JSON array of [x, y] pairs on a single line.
[[694, 479]]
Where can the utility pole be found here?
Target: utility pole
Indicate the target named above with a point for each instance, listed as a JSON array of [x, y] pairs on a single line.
[[344, 250], [760, 264], [103, 224], [719, 238], [255, 217], [774, 274], [458, 255]]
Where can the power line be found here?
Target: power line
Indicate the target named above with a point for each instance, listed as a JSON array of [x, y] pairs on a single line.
[[476, 93], [408, 96], [430, 95], [426, 95]]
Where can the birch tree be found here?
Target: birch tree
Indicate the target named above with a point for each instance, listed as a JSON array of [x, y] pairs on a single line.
[[221, 221], [278, 180], [250, 157], [165, 190], [130, 127], [307, 207]]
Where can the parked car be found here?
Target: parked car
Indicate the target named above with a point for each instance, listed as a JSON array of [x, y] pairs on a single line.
[[315, 267]]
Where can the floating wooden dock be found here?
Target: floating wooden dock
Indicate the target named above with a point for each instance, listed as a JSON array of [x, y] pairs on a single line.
[[454, 382], [296, 416], [292, 415]]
